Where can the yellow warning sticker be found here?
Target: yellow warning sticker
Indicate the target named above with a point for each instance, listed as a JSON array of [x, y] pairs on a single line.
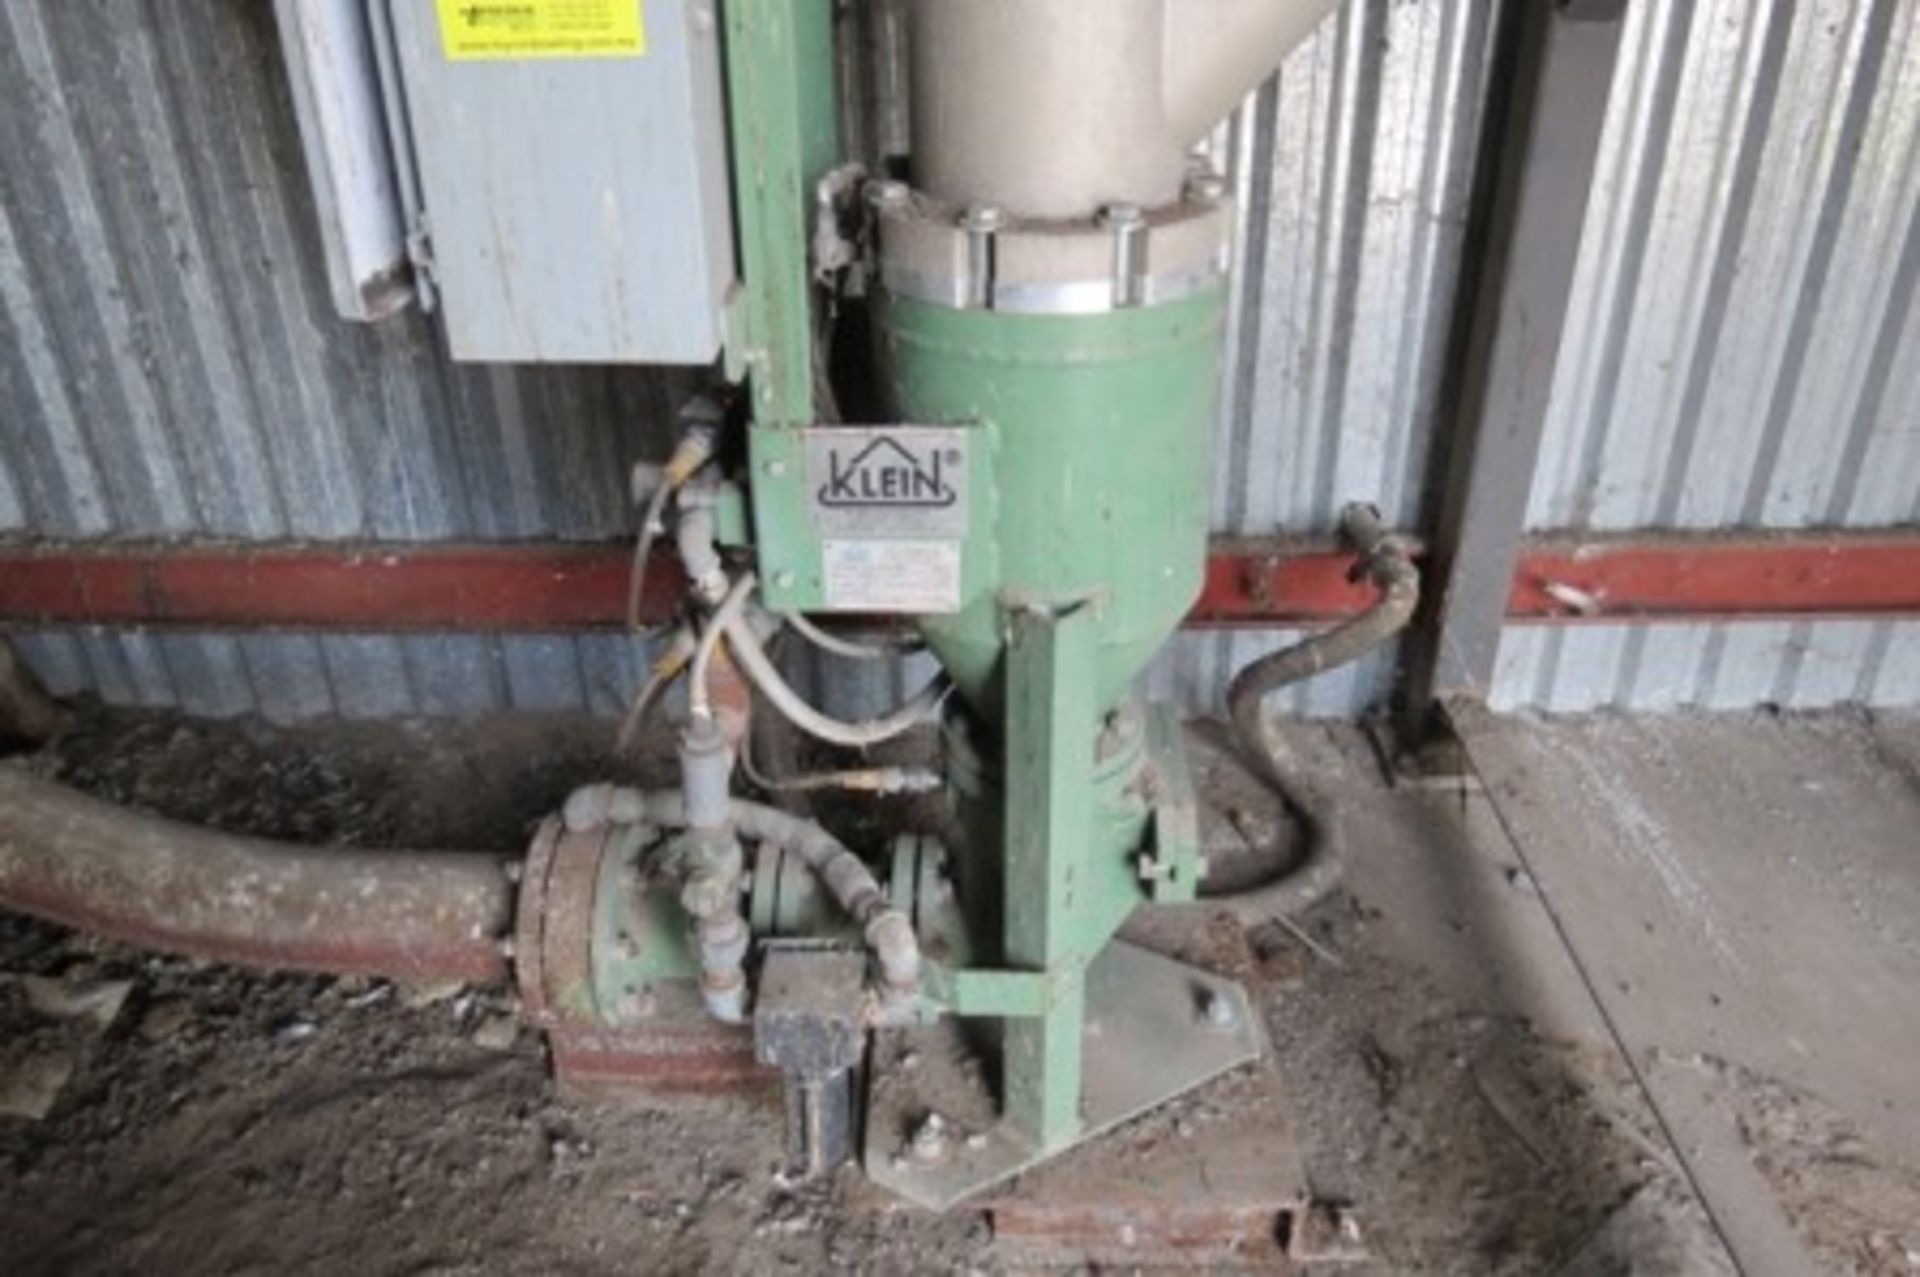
[[476, 29]]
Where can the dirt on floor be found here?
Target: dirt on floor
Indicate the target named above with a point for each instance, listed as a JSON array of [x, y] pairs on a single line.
[[1857, 1210], [215, 1121]]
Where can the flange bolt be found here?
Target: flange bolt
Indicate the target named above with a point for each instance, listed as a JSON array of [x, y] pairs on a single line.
[[929, 1140]]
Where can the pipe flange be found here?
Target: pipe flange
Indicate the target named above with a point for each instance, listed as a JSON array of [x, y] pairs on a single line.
[[982, 258], [553, 931]]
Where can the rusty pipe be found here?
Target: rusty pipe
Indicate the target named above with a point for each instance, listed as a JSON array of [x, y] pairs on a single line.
[[144, 880]]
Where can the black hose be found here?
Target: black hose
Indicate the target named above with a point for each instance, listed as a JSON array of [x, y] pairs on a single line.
[[1385, 561]]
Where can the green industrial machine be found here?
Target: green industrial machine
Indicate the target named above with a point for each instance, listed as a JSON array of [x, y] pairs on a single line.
[[1013, 459], [1035, 496]]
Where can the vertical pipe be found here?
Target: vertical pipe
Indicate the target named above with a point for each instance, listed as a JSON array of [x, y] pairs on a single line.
[[1046, 108], [1057, 108]]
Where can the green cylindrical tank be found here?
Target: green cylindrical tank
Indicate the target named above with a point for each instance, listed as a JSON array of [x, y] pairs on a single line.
[[1104, 429]]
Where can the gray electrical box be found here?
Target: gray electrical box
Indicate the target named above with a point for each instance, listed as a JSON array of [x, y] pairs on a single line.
[[569, 158]]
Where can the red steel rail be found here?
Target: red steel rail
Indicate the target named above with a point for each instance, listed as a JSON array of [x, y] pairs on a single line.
[[549, 586]]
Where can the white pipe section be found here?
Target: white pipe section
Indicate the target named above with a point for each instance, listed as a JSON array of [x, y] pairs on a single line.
[[333, 71], [1059, 108], [1217, 51]]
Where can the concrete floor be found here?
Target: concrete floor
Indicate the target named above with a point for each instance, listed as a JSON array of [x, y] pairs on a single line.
[[1731, 906]]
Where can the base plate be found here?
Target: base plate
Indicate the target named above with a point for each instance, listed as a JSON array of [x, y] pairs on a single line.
[[1148, 1039]]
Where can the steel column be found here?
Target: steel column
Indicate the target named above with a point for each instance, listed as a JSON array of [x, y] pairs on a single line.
[[1558, 61]]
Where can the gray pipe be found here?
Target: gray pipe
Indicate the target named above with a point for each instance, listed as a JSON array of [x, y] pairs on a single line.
[[1058, 108]]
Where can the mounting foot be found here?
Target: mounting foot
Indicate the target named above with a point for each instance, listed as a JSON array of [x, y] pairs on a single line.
[[1155, 1029]]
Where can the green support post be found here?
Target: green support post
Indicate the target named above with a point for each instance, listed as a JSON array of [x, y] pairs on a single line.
[[1051, 724], [782, 96], [1084, 546], [780, 89]]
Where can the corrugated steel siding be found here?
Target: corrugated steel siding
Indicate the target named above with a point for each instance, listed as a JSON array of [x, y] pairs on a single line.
[[1796, 665], [170, 361], [170, 364], [1745, 293], [1353, 169]]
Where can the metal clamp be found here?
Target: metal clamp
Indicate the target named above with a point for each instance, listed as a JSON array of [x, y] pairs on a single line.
[[981, 258]]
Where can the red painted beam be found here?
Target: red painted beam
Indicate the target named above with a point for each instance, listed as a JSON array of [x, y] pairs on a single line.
[[550, 586], [530, 586], [1705, 577]]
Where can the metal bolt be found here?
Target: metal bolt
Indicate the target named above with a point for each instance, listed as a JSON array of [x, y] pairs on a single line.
[[1221, 1012], [783, 579], [636, 1004], [887, 194], [1129, 226], [929, 1140], [1206, 188], [982, 218], [774, 469], [980, 222]]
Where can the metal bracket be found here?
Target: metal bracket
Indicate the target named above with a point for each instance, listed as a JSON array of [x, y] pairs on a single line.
[[1155, 1028]]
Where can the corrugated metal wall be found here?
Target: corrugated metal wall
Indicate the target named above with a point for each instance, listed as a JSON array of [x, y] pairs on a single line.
[[1734, 355], [1353, 168], [170, 365]]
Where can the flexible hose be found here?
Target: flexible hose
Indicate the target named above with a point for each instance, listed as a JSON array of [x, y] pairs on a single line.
[[866, 780], [753, 658], [699, 695], [650, 528], [827, 641], [665, 669], [1385, 561], [694, 449]]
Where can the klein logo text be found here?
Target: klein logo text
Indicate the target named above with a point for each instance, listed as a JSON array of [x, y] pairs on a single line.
[[887, 473]]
